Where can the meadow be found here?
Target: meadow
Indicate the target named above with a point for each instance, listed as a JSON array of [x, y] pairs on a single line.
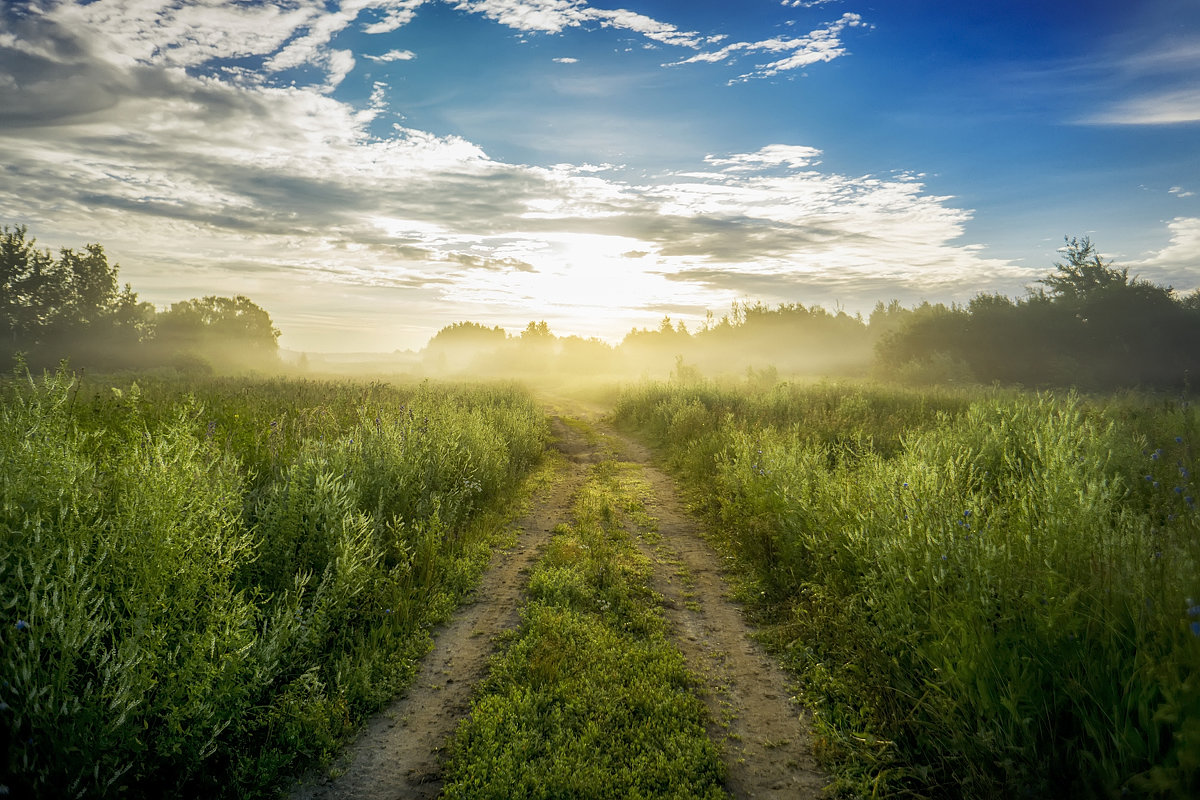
[[207, 584], [984, 593]]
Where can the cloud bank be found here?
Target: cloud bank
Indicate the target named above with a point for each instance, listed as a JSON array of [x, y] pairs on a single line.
[[174, 134]]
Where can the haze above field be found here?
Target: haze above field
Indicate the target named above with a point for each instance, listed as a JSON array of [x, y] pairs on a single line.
[[371, 170]]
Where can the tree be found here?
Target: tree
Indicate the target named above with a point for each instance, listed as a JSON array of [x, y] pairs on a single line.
[[226, 330], [1084, 272]]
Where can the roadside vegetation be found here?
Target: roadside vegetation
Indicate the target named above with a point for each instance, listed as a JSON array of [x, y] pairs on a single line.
[[205, 585], [589, 698], [985, 593]]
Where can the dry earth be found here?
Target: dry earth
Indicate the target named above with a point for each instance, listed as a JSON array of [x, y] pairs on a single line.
[[761, 730]]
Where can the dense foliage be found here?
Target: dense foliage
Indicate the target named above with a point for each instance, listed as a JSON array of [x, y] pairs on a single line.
[[205, 585], [71, 307], [1092, 326], [986, 594]]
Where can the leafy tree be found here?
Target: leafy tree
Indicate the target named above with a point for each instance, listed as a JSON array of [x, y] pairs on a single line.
[[1083, 273], [223, 330]]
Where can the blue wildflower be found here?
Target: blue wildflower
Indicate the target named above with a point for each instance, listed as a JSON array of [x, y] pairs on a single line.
[[1154, 456], [1195, 626], [904, 485], [22, 625], [1178, 490], [1189, 500], [1178, 440], [1149, 477], [1194, 611], [967, 513]]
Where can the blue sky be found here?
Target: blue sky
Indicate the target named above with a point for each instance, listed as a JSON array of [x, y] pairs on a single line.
[[369, 170]]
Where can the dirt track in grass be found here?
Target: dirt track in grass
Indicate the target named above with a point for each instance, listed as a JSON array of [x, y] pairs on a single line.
[[762, 732]]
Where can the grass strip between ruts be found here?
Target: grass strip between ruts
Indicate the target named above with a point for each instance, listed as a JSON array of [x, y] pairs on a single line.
[[589, 698]]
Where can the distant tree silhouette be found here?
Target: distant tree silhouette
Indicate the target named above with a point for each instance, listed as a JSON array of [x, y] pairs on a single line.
[[72, 306], [69, 306], [1089, 324]]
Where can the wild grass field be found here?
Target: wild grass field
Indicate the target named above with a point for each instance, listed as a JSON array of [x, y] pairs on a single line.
[[207, 584], [985, 593]]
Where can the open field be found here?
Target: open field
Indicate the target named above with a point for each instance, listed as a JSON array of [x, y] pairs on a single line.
[[984, 593], [210, 585], [207, 585]]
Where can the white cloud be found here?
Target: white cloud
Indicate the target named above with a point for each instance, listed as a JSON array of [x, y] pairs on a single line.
[[566, 60], [822, 44], [545, 16], [1179, 191], [1177, 264], [393, 55], [791, 156], [1163, 108], [396, 14]]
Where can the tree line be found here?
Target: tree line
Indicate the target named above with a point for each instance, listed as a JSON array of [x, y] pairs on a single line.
[[1087, 324], [71, 305]]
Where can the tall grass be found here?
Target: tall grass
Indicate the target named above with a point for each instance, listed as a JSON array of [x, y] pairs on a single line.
[[987, 594], [205, 586]]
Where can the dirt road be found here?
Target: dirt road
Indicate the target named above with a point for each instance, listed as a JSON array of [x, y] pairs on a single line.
[[761, 730]]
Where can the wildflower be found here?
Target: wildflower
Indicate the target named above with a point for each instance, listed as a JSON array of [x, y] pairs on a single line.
[[1189, 500], [1178, 490], [1154, 456], [904, 485], [1178, 440], [967, 513], [3, 706], [1195, 626], [1193, 611], [1149, 477], [22, 625]]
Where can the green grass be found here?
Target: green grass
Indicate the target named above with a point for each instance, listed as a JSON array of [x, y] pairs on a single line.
[[986, 594], [589, 698], [205, 586]]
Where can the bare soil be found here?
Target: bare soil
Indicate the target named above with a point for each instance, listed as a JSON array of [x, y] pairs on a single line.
[[762, 731]]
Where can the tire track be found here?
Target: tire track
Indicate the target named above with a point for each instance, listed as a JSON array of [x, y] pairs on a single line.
[[763, 731]]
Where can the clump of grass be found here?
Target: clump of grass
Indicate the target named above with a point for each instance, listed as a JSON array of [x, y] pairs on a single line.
[[205, 585], [986, 594], [590, 699]]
